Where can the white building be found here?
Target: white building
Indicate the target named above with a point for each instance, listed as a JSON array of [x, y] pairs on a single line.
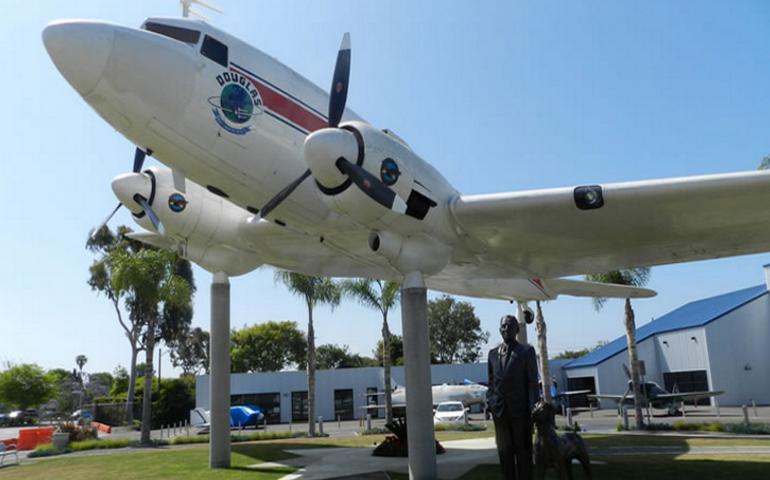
[[343, 392], [718, 343]]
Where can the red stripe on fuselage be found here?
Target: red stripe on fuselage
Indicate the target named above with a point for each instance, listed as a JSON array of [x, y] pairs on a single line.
[[284, 106]]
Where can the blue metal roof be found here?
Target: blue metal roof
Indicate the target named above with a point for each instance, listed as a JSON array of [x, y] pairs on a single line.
[[693, 314]]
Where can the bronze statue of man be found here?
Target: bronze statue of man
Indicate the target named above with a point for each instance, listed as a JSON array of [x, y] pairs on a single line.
[[512, 394]]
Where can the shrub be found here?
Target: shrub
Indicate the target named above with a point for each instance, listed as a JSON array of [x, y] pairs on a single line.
[[620, 427], [47, 450], [99, 444], [77, 432], [750, 429], [251, 437], [459, 427], [376, 431]]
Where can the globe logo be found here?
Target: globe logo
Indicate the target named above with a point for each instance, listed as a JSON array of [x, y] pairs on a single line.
[[236, 103], [389, 171]]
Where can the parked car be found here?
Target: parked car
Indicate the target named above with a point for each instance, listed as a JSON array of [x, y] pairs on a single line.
[[4, 420], [449, 412], [82, 414], [23, 417]]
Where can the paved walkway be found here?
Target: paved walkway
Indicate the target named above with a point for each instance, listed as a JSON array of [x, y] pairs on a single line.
[[460, 458]]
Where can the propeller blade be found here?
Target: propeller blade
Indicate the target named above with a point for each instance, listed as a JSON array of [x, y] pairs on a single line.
[[92, 234], [339, 92], [150, 213], [282, 195], [627, 371], [139, 156], [372, 186]]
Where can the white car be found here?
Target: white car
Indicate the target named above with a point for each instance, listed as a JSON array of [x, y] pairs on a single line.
[[449, 412]]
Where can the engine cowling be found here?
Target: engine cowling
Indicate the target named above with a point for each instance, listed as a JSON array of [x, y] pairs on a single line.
[[199, 225], [413, 253]]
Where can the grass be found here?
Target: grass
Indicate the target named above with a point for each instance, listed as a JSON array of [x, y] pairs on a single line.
[[191, 462]]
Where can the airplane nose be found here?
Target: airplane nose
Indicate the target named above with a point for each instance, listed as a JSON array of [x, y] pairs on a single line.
[[126, 185], [80, 50]]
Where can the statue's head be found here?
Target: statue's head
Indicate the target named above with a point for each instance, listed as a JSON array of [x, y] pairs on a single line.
[[509, 328]]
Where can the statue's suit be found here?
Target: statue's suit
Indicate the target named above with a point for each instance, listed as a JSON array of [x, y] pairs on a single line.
[[512, 394]]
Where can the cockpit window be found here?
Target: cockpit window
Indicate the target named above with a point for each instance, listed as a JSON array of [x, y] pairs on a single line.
[[177, 33], [215, 50]]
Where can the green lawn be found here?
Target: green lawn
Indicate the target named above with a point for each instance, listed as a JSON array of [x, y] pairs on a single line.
[[191, 462]]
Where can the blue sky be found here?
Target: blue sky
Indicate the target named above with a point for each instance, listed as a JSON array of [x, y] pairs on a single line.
[[499, 96]]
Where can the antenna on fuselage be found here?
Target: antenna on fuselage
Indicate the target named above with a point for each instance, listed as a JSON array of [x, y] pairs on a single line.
[[187, 10]]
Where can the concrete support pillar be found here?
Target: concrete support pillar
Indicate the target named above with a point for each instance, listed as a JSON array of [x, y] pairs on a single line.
[[419, 395], [522, 336], [219, 379]]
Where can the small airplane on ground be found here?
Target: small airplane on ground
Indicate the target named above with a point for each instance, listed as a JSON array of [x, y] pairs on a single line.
[[468, 393], [655, 396], [241, 416]]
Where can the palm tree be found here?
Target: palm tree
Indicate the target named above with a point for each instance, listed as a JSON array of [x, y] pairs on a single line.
[[383, 298], [315, 291], [542, 351], [636, 277]]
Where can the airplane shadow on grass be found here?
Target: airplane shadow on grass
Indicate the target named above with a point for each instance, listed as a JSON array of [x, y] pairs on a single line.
[[660, 458]]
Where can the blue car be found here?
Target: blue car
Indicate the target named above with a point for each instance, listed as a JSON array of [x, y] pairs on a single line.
[[245, 416]]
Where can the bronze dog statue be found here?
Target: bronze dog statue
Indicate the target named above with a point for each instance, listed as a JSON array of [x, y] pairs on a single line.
[[554, 450]]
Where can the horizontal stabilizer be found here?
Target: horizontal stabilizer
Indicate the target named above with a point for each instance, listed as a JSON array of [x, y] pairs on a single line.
[[579, 288]]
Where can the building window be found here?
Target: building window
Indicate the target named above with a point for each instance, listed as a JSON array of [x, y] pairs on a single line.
[[215, 50], [184, 35], [372, 400], [299, 406], [580, 383], [343, 404], [269, 403], [691, 381]]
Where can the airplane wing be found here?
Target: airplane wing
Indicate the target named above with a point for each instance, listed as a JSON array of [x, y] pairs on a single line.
[[617, 398], [688, 395], [551, 233], [571, 392]]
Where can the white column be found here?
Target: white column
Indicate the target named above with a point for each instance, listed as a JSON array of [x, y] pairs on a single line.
[[219, 379], [419, 395]]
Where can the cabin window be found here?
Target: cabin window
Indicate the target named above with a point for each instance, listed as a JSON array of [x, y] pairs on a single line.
[[177, 33], [215, 50]]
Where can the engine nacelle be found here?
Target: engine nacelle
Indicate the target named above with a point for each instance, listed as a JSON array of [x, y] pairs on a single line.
[[408, 254], [386, 157], [199, 225]]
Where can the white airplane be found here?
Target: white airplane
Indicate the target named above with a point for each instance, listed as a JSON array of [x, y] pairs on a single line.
[[267, 168], [261, 174]]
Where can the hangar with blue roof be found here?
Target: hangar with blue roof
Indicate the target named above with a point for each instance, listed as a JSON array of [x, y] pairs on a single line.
[[717, 343]]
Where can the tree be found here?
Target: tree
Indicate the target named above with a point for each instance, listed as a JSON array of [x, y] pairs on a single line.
[[99, 384], [267, 347], [81, 361], [120, 381], [150, 278], [67, 385], [381, 298], [26, 385], [765, 164], [315, 291], [455, 331], [330, 356], [636, 277], [108, 246], [542, 351], [396, 351], [190, 351], [573, 354]]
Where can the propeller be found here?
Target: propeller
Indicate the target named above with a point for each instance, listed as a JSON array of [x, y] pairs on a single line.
[[372, 186], [338, 96], [150, 213], [139, 157], [368, 183]]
